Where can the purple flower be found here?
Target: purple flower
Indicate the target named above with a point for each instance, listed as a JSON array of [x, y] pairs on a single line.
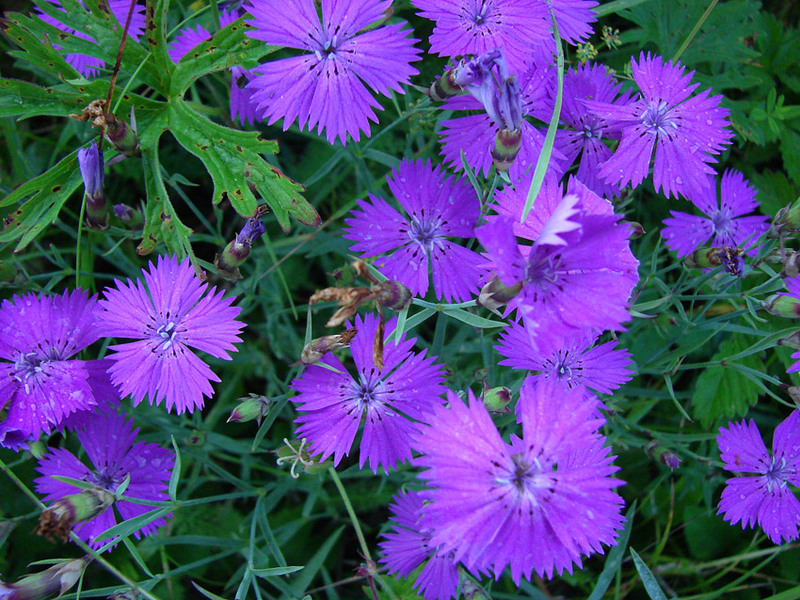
[[330, 85], [90, 162], [89, 66], [109, 444], [574, 18], [167, 317], [242, 106], [725, 224], [576, 362], [474, 135], [686, 131], [578, 248], [585, 138], [407, 547], [473, 27], [187, 38], [39, 386], [766, 498], [536, 504], [392, 401], [438, 208]]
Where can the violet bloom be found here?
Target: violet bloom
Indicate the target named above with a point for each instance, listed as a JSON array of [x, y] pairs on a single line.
[[473, 27], [686, 131], [39, 386], [766, 497], [392, 402], [725, 223], [587, 130], [242, 107], [536, 504], [187, 37], [438, 208], [109, 444], [408, 546], [86, 65], [90, 162], [331, 85], [576, 361], [475, 135], [167, 317], [578, 248]]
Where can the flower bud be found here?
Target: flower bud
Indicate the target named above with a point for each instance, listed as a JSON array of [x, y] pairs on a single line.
[[787, 220], [496, 399], [728, 257], [636, 230], [316, 349], [132, 217], [496, 294], [471, 590], [445, 87], [58, 579], [670, 459], [252, 408], [506, 148], [238, 250], [90, 162], [121, 135], [783, 305], [63, 514], [393, 294]]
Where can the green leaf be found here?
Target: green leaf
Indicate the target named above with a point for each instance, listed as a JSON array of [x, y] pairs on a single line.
[[275, 571], [722, 391], [650, 584], [227, 47], [790, 151], [127, 528], [472, 319], [233, 159], [175, 477], [614, 559], [20, 98], [206, 593], [48, 192], [156, 36]]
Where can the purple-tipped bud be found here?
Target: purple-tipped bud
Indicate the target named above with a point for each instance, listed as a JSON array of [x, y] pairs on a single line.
[[496, 294], [394, 295], [252, 408], [238, 250], [121, 135], [63, 514], [787, 220], [446, 87], [783, 305], [58, 579], [670, 459], [636, 230], [496, 399], [725, 256], [90, 162], [316, 349], [506, 148]]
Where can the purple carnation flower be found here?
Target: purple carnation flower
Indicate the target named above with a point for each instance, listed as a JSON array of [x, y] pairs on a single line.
[[187, 38], [474, 135], [724, 224], [473, 27], [242, 106], [766, 498], [330, 85], [536, 504], [407, 547], [39, 386], [438, 208], [574, 18], [166, 318], [89, 66], [392, 401], [578, 248], [585, 138], [109, 444], [685, 131], [576, 362]]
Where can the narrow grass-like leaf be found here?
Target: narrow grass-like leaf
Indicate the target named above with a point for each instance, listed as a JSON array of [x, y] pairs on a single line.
[[615, 556], [275, 571], [175, 477], [650, 584]]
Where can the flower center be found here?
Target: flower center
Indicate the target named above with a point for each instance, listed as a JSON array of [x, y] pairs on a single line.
[[655, 119], [722, 221], [542, 269], [104, 480], [167, 333], [368, 392], [30, 365], [424, 232], [591, 132], [777, 474]]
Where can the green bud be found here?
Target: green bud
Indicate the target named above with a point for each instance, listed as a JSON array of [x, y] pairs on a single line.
[[506, 147], [496, 399], [445, 87], [787, 220], [58, 579], [783, 305], [63, 514], [252, 408], [121, 135], [725, 256], [496, 294], [636, 229]]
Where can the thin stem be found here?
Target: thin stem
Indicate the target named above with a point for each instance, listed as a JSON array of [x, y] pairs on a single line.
[[694, 31], [117, 65], [349, 507]]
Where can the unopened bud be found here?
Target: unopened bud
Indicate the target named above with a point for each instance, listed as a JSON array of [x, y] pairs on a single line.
[[63, 514], [58, 579], [122, 135], [316, 349], [636, 230], [670, 459], [791, 264], [496, 294], [445, 87], [393, 294], [252, 408], [90, 162], [130, 216], [506, 148], [783, 305], [726, 256], [496, 399], [787, 220], [238, 250], [471, 590]]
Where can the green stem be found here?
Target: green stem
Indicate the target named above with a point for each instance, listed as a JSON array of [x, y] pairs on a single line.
[[694, 31], [349, 507]]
